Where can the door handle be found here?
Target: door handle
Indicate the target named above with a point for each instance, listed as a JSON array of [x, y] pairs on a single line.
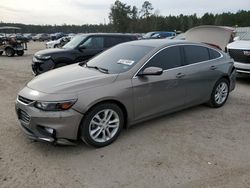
[[180, 75], [213, 67]]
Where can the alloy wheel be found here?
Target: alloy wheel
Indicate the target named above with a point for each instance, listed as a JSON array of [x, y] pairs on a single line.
[[221, 93], [104, 125]]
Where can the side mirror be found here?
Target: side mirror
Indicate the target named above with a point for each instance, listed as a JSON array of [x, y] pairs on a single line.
[[236, 38], [151, 71], [82, 47]]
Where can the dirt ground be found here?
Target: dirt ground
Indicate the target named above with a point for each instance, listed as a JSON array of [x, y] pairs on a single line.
[[197, 147]]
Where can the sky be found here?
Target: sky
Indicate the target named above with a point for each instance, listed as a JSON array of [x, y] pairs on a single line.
[[96, 11]]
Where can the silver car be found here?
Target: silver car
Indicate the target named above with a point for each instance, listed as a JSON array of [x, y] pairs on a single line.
[[129, 83]]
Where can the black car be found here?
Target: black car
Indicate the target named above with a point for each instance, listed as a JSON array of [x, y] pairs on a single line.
[[81, 48]]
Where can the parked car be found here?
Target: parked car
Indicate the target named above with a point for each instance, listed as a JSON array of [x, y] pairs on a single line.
[[41, 37], [158, 35], [216, 36], [127, 84], [29, 36], [149, 34], [239, 50], [57, 36], [81, 48], [163, 35], [58, 43]]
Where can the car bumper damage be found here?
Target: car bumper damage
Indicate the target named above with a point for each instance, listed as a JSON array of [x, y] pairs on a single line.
[[54, 127]]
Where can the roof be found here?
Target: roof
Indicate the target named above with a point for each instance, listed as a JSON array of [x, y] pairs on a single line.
[[107, 34], [8, 27], [155, 43]]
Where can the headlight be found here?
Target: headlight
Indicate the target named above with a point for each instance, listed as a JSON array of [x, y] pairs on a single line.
[[55, 106], [44, 57]]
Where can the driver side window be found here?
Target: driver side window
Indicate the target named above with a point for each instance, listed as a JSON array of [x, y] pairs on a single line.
[[166, 59], [94, 43]]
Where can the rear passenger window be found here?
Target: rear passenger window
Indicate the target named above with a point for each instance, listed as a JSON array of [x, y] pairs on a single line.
[[214, 54], [195, 54], [166, 59]]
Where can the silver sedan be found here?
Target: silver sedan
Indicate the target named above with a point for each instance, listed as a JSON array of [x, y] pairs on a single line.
[[127, 84]]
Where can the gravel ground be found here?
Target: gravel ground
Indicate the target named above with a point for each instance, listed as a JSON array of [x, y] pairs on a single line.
[[197, 147]]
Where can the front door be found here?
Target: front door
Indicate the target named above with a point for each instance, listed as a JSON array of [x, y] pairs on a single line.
[[166, 92]]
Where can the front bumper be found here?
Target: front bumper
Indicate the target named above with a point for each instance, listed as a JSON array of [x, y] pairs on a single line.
[[55, 127], [243, 68], [40, 66]]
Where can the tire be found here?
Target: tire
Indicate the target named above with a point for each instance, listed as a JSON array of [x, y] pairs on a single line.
[[9, 52], [56, 46], [95, 121], [219, 94], [20, 52], [1, 53]]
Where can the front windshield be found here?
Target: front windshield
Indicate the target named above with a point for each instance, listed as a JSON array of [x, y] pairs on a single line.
[[120, 58], [75, 41]]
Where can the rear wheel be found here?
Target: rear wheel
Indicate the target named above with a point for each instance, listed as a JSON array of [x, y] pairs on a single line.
[[9, 52], [1, 53], [102, 125], [220, 93], [20, 52]]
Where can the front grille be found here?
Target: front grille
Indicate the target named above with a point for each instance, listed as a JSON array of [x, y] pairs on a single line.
[[24, 100], [239, 56], [22, 115]]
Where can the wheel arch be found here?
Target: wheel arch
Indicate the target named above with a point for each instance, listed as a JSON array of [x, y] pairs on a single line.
[[9, 47], [114, 101]]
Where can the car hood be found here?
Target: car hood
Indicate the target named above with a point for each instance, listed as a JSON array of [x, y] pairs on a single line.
[[217, 35], [70, 79], [52, 52], [240, 44]]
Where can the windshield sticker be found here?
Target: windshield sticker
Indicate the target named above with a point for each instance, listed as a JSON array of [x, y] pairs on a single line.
[[126, 62]]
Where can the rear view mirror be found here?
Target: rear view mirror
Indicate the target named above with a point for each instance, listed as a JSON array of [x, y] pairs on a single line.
[[151, 71]]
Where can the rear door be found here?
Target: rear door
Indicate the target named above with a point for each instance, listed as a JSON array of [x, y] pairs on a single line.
[[157, 94], [200, 72]]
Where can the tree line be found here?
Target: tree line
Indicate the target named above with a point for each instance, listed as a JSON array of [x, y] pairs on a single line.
[[125, 18]]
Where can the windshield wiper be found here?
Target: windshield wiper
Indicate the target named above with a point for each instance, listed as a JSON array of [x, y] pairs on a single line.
[[103, 70]]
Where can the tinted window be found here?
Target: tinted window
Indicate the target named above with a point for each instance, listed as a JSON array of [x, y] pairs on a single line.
[[112, 41], [94, 43], [120, 58], [166, 59], [195, 54], [214, 54], [75, 41]]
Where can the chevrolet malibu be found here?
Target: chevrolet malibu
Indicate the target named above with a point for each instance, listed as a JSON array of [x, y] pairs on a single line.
[[129, 83]]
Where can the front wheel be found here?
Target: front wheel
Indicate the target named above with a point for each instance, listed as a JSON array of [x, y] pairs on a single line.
[[102, 125], [9, 52], [220, 93]]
